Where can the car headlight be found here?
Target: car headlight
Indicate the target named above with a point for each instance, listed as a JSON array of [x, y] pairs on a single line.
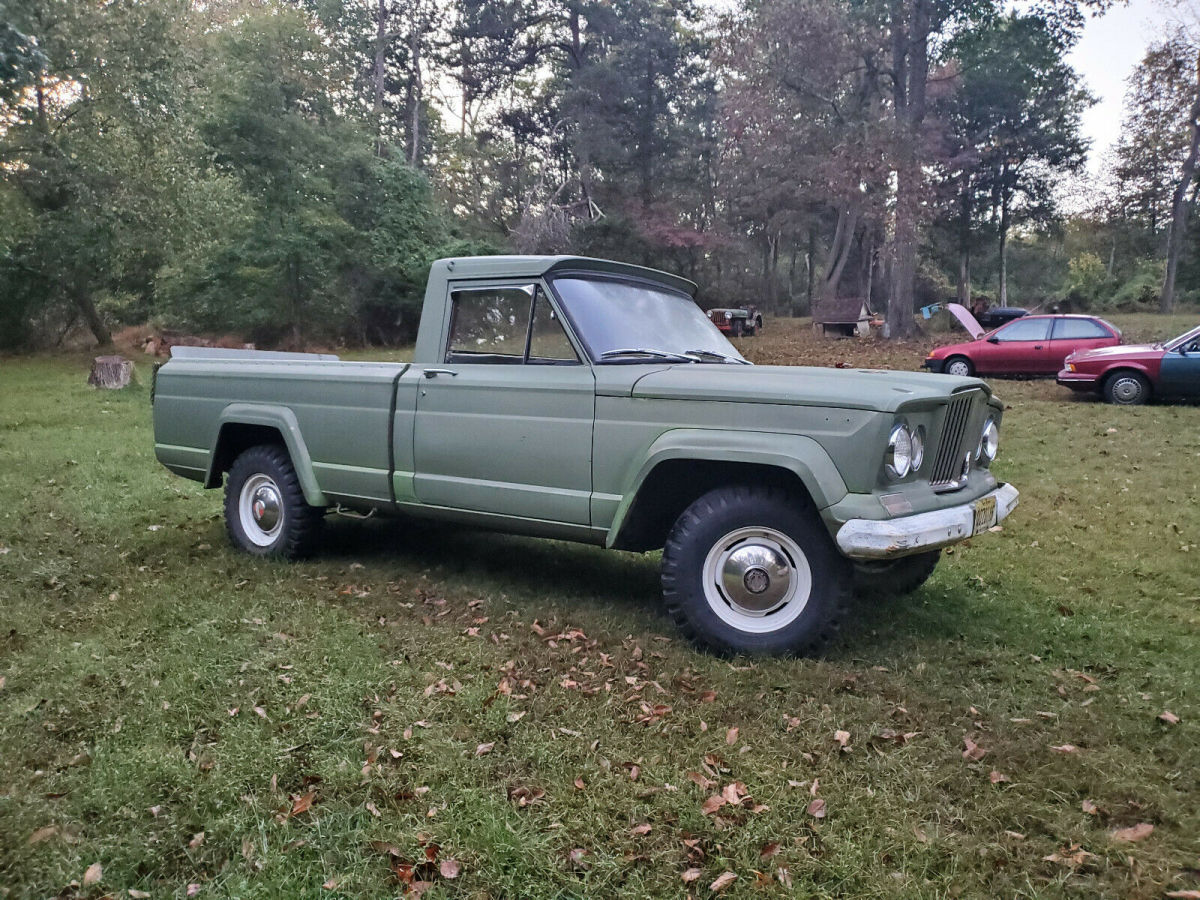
[[729, 315], [989, 441], [917, 436], [898, 459]]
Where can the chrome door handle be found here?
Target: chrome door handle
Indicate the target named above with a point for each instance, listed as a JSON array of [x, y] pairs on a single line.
[[433, 373]]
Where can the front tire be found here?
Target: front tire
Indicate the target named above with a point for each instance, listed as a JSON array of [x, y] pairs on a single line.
[[750, 569], [959, 365], [265, 511], [1126, 389], [896, 577]]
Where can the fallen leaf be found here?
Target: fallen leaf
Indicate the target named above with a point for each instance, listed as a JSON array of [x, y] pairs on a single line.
[[197, 840], [998, 777], [712, 804], [641, 829], [1072, 856], [331, 884], [1065, 748], [1015, 835], [43, 833], [193, 889], [302, 803], [770, 849], [576, 855], [579, 783], [1089, 807], [450, 868], [1169, 717], [972, 751], [731, 737], [138, 895], [1133, 832], [722, 881], [93, 874], [842, 738], [1183, 895], [514, 717], [691, 875], [484, 748], [784, 874], [373, 809], [816, 809]]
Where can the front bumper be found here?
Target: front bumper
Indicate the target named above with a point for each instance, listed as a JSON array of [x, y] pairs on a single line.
[[893, 538], [933, 365], [1077, 381]]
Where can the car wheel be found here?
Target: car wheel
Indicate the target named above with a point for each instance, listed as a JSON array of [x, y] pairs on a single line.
[[959, 365], [753, 570], [896, 577], [265, 510], [1126, 389]]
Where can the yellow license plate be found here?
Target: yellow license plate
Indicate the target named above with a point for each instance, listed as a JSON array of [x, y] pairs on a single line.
[[985, 514]]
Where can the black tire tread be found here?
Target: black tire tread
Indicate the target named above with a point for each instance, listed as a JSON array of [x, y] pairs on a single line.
[[719, 501], [902, 577], [1109, 379], [959, 356], [302, 523]]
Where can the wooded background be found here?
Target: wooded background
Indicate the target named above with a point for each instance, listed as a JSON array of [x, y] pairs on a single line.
[[286, 171]]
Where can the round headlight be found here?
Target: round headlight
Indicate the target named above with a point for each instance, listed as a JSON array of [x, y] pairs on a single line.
[[918, 447], [989, 441], [899, 452], [729, 315]]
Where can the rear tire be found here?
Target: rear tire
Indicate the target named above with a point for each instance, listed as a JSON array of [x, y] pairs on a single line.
[[750, 569], [896, 577], [960, 366], [1126, 389], [265, 510]]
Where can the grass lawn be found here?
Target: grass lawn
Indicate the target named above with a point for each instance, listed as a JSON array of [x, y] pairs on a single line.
[[503, 717]]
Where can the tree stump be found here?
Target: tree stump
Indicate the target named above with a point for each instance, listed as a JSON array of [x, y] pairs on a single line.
[[111, 372]]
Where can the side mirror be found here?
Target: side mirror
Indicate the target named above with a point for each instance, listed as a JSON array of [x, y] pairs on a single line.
[[993, 340]]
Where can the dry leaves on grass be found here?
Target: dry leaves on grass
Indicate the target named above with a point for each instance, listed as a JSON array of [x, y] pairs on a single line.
[[1065, 749], [1090, 808], [1073, 857], [722, 881], [690, 875], [731, 737], [972, 751], [816, 809], [484, 748], [1133, 832], [42, 834], [93, 874], [1183, 895], [842, 739], [998, 777], [302, 803], [1169, 717]]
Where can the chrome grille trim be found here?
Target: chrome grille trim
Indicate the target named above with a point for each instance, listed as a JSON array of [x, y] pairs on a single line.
[[947, 466]]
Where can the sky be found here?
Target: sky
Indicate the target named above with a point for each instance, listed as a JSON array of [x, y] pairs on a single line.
[[1109, 49]]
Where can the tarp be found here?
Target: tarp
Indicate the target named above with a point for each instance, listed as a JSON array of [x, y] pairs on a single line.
[[965, 318]]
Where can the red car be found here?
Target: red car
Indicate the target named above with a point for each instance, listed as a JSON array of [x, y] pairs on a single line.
[[1133, 374], [1030, 345]]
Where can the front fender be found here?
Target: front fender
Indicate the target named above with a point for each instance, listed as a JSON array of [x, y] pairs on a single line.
[[800, 455], [282, 420]]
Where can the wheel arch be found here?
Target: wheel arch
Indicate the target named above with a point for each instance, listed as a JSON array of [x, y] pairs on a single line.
[[242, 425], [1127, 368], [684, 465]]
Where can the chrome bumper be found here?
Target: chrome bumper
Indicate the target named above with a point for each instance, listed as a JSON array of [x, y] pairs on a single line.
[[891, 538]]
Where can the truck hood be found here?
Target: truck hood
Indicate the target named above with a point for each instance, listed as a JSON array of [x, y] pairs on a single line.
[[872, 389]]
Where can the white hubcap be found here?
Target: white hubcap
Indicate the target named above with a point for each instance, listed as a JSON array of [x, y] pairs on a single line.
[[757, 579], [260, 510]]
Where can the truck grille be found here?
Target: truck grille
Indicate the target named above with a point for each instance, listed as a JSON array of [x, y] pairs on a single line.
[[947, 466]]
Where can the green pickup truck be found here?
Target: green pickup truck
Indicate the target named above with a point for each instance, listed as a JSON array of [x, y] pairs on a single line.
[[587, 400]]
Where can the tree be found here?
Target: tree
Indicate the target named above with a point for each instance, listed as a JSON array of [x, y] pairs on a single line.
[[1017, 117], [1183, 198]]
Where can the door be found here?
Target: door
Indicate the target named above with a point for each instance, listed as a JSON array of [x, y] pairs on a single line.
[[1071, 335], [1180, 372], [504, 423], [1018, 348]]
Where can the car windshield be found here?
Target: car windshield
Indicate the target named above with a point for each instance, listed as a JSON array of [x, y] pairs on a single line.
[[628, 322], [1184, 338]]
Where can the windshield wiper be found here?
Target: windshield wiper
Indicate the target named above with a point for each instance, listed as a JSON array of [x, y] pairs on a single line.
[[643, 351], [713, 354]]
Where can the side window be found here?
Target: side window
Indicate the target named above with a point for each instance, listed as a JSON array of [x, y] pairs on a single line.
[[1078, 329], [548, 342], [489, 324], [1024, 330]]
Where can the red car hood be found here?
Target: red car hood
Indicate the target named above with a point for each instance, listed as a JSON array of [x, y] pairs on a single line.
[[1129, 350]]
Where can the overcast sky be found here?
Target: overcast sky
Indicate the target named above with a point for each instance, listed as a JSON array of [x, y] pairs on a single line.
[[1105, 57]]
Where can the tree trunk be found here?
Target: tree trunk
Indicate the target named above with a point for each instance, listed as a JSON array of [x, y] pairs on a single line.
[[83, 302], [416, 92], [964, 249], [111, 372], [1181, 205]]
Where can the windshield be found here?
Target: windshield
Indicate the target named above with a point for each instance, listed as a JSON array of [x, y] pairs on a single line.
[[626, 321], [1183, 339]]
